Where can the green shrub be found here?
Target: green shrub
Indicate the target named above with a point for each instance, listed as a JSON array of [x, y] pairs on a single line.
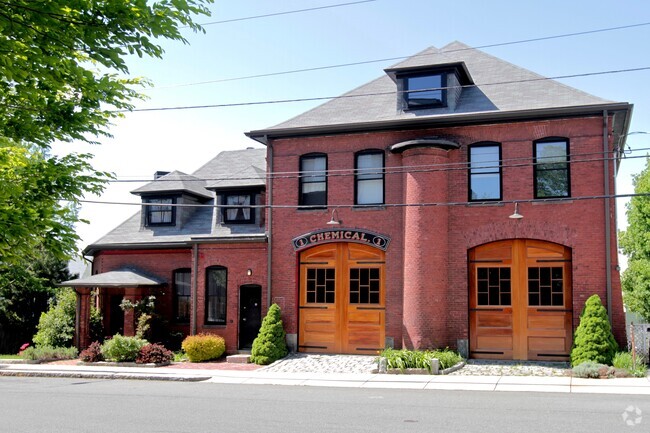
[[203, 347], [404, 358], [590, 370], [593, 339], [270, 344], [122, 349], [56, 325], [46, 353], [623, 360]]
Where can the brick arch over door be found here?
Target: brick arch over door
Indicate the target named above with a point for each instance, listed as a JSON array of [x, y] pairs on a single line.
[[520, 300], [521, 229]]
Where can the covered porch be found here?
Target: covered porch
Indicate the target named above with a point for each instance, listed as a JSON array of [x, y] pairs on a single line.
[[128, 284]]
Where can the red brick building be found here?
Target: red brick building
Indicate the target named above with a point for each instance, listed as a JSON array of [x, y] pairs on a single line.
[[458, 200]]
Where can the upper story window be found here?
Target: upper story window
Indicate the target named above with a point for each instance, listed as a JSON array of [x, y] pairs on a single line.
[[160, 211], [369, 178], [425, 90], [551, 162], [485, 172], [313, 180], [237, 208], [216, 290], [181, 290]]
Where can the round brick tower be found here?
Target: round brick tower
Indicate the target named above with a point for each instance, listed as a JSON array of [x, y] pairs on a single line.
[[425, 242]]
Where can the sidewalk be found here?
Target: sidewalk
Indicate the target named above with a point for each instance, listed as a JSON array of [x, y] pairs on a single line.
[[356, 380]]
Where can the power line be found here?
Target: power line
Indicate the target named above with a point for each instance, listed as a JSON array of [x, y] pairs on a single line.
[[390, 59], [448, 166], [385, 205], [287, 12], [361, 95]]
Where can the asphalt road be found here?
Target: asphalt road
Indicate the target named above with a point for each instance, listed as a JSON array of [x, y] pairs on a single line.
[[76, 405]]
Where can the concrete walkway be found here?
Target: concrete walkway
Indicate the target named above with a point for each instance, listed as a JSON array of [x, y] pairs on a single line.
[[348, 380]]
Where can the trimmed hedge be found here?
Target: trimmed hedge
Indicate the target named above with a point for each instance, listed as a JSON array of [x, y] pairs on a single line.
[[46, 353], [203, 347]]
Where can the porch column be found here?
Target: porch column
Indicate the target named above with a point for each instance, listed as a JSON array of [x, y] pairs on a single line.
[[425, 249], [83, 318], [130, 294]]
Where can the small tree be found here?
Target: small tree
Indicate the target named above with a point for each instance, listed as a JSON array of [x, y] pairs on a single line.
[[56, 326], [593, 340], [270, 344]]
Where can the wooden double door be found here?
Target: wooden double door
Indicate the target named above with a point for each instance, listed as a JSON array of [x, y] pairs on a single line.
[[520, 301], [342, 299]]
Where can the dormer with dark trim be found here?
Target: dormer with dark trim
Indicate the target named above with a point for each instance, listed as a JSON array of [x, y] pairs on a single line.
[[163, 199], [430, 87]]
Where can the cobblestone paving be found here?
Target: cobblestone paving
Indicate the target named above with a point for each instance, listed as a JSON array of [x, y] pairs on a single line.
[[478, 367], [311, 363]]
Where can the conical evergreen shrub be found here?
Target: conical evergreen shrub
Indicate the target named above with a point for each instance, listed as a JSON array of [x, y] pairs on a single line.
[[270, 344], [593, 340]]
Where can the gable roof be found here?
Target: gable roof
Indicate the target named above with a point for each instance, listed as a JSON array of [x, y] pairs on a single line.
[[500, 90], [176, 181]]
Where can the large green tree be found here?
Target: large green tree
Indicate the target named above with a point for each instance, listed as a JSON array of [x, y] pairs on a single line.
[[64, 77], [635, 243]]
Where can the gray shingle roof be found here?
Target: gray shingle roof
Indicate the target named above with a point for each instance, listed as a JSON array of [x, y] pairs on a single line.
[[229, 169], [125, 277], [501, 87], [235, 169], [176, 181]]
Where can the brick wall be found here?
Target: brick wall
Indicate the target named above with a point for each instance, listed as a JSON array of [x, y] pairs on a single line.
[[579, 224]]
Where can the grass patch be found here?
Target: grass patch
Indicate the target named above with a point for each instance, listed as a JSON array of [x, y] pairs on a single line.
[[13, 356]]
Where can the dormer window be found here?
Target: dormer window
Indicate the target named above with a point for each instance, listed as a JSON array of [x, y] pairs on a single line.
[[425, 90], [160, 211], [236, 210]]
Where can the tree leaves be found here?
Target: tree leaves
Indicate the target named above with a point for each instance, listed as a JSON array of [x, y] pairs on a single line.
[[635, 243]]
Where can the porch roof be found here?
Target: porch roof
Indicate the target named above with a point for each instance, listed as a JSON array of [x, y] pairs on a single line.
[[118, 278]]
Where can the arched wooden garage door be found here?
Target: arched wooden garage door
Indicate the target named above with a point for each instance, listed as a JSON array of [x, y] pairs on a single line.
[[342, 299], [520, 301]]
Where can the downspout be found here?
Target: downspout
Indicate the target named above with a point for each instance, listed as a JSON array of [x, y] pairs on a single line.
[[269, 222], [608, 217], [195, 270]]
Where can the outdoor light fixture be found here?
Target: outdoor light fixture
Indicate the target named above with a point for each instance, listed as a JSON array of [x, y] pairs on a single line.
[[334, 221], [249, 272], [516, 215]]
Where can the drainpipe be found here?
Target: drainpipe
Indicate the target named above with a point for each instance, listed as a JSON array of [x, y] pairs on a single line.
[[195, 270], [269, 222], [608, 218]]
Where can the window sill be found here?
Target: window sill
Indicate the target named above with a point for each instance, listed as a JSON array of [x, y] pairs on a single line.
[[368, 207], [485, 204], [215, 326], [556, 200], [318, 209]]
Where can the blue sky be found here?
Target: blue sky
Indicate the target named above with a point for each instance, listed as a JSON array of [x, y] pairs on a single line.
[[144, 142]]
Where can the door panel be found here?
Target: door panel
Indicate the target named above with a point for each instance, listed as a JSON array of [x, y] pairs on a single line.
[[520, 300], [250, 314], [352, 318]]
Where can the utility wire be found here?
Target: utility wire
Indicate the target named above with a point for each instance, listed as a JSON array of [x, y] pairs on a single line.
[[361, 95], [447, 166], [385, 205], [388, 59], [287, 12]]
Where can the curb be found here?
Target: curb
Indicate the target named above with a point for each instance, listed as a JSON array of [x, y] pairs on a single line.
[[104, 376]]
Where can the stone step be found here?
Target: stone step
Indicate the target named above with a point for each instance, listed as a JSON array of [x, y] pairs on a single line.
[[238, 359]]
